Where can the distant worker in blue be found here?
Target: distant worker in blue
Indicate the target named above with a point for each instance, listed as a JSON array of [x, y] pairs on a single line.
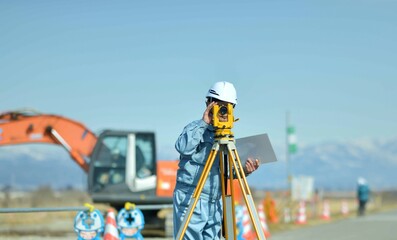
[[363, 194], [194, 145]]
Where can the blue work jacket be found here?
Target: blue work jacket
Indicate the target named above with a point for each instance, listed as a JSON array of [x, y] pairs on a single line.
[[194, 145]]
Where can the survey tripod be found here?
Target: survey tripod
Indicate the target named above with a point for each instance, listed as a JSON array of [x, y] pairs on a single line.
[[230, 166]]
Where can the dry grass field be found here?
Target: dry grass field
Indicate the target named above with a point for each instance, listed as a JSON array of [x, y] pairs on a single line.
[[60, 224], [39, 223]]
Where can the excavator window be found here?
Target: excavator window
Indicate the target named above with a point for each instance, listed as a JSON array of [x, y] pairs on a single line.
[[113, 152], [144, 156], [111, 160]]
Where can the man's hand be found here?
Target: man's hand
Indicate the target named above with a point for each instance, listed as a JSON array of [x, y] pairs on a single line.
[[251, 165], [207, 115]]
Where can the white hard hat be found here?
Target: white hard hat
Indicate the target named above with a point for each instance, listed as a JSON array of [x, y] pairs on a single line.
[[223, 91], [361, 181]]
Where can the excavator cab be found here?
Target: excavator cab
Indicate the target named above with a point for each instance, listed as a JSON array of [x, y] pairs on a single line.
[[123, 167]]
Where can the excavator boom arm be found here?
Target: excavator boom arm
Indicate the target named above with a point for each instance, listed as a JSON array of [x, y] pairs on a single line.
[[22, 128]]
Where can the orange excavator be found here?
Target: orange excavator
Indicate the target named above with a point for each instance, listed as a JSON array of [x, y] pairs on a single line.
[[121, 166]]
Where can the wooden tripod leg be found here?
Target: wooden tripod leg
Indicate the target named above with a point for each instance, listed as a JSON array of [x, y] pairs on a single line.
[[197, 192]]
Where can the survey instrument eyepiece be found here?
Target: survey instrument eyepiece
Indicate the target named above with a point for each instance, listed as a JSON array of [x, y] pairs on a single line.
[[223, 110]]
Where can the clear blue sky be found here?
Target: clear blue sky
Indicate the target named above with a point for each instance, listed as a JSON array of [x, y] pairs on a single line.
[[147, 65]]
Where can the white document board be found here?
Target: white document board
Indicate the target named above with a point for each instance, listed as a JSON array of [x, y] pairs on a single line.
[[256, 147]]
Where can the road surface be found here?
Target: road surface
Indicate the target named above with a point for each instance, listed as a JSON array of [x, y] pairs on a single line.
[[381, 226]]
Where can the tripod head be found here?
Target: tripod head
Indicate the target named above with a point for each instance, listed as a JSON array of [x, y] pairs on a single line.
[[223, 127]]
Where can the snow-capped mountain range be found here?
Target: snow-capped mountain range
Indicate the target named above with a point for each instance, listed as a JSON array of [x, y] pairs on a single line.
[[336, 165]]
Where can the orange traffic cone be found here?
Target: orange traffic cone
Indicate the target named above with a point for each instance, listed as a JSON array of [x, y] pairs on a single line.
[[301, 219], [111, 232], [262, 219], [270, 208], [326, 215], [248, 234], [344, 208]]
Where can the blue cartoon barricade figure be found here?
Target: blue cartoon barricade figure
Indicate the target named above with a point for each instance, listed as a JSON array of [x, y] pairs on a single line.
[[89, 224], [130, 222]]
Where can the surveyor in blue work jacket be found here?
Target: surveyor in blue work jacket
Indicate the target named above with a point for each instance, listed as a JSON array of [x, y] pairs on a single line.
[[194, 145]]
